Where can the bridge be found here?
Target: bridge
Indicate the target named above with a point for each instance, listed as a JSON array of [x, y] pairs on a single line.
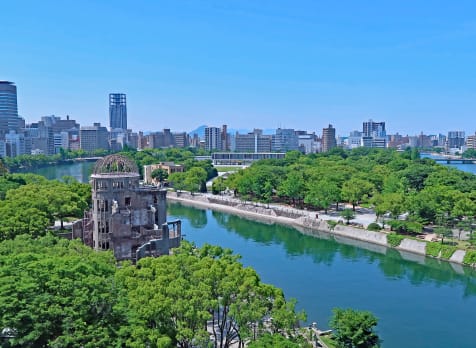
[[455, 160]]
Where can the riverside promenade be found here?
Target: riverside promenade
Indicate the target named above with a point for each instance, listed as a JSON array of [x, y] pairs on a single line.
[[311, 223]]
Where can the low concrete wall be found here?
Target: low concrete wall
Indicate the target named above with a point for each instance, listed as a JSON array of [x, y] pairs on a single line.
[[458, 256], [413, 246], [410, 249]]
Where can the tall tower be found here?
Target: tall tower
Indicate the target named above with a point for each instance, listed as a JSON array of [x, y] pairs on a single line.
[[328, 138], [213, 138], [9, 119], [117, 111]]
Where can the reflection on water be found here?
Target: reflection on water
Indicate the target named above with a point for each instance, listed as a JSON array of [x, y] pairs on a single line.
[[324, 248], [81, 171], [429, 302]]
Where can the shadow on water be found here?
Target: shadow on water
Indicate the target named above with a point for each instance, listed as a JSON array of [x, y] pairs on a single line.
[[324, 248]]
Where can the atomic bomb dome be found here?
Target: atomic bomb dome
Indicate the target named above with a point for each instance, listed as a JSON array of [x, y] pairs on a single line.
[[127, 217], [114, 165]]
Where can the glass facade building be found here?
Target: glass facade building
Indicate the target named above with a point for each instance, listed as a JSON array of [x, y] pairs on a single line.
[[9, 119], [117, 111]]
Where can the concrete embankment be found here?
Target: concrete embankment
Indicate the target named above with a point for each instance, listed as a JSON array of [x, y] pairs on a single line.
[[307, 223]]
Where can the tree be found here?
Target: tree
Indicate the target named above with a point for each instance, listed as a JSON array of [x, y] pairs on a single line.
[[443, 231], [195, 179], [159, 175], [347, 214], [58, 293], [322, 194], [194, 290], [218, 185], [293, 186], [354, 329], [268, 192], [177, 180], [356, 190]]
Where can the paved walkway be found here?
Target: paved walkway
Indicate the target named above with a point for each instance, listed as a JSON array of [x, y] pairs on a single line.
[[363, 216]]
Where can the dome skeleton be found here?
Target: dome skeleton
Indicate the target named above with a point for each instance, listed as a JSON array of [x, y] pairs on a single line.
[[115, 164]]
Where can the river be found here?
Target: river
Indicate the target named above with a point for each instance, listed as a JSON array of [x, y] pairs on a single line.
[[80, 170], [420, 302]]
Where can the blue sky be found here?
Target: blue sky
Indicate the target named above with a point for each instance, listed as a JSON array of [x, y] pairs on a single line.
[[246, 63]]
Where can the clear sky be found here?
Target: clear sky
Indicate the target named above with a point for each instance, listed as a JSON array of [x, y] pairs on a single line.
[[247, 63]]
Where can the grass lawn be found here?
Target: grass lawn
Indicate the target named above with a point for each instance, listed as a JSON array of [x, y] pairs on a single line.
[[227, 168]]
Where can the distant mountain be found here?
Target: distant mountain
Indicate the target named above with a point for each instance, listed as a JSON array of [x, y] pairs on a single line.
[[199, 130]]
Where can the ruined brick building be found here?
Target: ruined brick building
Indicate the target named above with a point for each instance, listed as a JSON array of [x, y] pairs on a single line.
[[126, 217]]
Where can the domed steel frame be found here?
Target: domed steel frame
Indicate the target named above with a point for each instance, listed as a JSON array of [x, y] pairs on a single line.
[[115, 164]]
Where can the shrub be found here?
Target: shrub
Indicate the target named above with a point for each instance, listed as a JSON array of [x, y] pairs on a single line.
[[374, 227], [433, 249], [394, 239], [470, 257], [447, 251], [331, 224]]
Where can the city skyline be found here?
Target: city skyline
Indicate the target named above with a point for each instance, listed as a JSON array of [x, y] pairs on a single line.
[[244, 64]]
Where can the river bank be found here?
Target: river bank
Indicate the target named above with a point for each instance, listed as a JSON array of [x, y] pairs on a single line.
[[308, 223]]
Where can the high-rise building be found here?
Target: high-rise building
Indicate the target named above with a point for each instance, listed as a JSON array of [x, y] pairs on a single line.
[[374, 134], [225, 141], [9, 120], [181, 139], [328, 138], [117, 111], [284, 140], [94, 138], [455, 139], [471, 141], [252, 142], [374, 129], [213, 138]]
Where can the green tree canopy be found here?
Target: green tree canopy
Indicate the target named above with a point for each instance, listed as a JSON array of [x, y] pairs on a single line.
[[176, 296], [353, 328], [57, 293]]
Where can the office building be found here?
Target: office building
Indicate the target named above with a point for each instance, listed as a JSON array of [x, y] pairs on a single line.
[[374, 134], [374, 129], [354, 140], [94, 137], [213, 138], [252, 142], [181, 139], [117, 111], [455, 139], [14, 144], [9, 120], [471, 142], [284, 140], [328, 138]]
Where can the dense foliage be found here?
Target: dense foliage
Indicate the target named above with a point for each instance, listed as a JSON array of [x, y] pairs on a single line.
[[392, 183], [29, 203], [56, 293], [354, 329], [59, 293]]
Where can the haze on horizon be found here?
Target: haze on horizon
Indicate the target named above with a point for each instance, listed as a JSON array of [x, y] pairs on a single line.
[[244, 63]]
